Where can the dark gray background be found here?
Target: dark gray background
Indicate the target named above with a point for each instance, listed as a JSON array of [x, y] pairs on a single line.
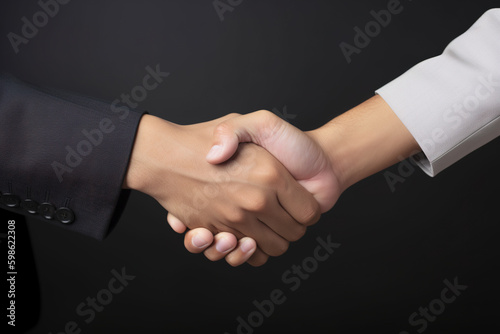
[[397, 247]]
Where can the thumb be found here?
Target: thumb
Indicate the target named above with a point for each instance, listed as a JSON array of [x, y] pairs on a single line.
[[225, 144], [239, 129], [175, 223]]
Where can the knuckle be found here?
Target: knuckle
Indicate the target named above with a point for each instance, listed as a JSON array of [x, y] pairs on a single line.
[[223, 128], [265, 113], [272, 123], [269, 175], [235, 215], [257, 202], [280, 248], [311, 214], [299, 232], [232, 115]]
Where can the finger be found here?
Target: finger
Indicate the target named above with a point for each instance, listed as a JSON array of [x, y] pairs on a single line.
[[258, 259], [253, 127], [198, 239], [223, 244], [175, 223], [224, 147], [298, 202], [268, 210], [282, 223], [271, 243], [246, 248]]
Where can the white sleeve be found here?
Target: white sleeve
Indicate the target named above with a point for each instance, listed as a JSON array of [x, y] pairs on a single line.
[[451, 103]]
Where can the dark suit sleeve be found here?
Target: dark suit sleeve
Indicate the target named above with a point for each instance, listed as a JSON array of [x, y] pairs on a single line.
[[63, 157]]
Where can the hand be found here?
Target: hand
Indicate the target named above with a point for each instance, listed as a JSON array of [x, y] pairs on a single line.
[[251, 195], [299, 152], [357, 144]]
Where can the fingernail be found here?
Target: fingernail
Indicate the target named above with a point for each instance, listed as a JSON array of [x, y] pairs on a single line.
[[247, 246], [199, 242], [223, 245], [214, 152]]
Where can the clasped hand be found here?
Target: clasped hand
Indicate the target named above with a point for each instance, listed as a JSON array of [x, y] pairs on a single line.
[[264, 196], [246, 202]]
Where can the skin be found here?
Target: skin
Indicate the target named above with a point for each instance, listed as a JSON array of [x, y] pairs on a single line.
[[326, 161], [252, 195]]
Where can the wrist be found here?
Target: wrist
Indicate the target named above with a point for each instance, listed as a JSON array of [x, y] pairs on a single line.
[[330, 139], [148, 154], [365, 140]]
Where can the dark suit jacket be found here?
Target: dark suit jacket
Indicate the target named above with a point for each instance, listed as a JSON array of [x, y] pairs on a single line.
[[63, 157]]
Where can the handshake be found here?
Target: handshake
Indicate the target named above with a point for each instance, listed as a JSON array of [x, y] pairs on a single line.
[[248, 185]]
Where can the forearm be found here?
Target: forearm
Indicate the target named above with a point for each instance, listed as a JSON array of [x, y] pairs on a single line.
[[365, 140], [451, 103]]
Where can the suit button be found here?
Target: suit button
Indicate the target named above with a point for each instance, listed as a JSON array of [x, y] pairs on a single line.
[[30, 206], [65, 215], [10, 200], [46, 210]]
